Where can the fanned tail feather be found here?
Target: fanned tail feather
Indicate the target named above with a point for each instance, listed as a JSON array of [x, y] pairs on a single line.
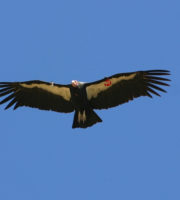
[[85, 118]]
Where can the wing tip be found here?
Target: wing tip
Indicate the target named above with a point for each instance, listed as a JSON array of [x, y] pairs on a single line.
[[158, 72], [154, 79]]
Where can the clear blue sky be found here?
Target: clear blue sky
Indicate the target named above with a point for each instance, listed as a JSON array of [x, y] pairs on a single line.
[[135, 152]]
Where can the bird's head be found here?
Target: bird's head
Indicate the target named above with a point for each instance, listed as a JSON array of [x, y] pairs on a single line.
[[76, 83]]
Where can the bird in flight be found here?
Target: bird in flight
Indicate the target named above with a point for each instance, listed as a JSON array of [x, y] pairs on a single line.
[[84, 97]]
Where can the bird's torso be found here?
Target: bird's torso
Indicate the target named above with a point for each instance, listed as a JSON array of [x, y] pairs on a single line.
[[79, 97]]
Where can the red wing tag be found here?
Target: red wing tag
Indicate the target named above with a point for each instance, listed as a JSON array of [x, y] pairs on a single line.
[[107, 82]]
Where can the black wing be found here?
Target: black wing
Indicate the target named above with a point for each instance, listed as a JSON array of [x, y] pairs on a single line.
[[37, 94], [121, 88]]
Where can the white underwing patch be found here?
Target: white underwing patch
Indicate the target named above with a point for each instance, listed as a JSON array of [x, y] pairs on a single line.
[[64, 92], [94, 89]]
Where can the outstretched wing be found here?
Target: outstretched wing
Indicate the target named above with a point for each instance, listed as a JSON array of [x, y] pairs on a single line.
[[121, 88], [37, 94]]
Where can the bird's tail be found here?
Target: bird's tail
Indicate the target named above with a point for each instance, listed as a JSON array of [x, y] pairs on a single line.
[[85, 118]]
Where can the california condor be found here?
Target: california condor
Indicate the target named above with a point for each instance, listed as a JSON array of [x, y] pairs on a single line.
[[84, 97]]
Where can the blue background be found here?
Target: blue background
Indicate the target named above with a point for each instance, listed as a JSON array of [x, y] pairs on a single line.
[[135, 152]]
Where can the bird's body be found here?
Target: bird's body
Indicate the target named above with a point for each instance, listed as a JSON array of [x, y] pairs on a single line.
[[84, 97], [78, 97], [84, 115]]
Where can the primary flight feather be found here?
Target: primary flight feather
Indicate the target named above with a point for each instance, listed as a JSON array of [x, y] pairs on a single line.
[[84, 97]]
